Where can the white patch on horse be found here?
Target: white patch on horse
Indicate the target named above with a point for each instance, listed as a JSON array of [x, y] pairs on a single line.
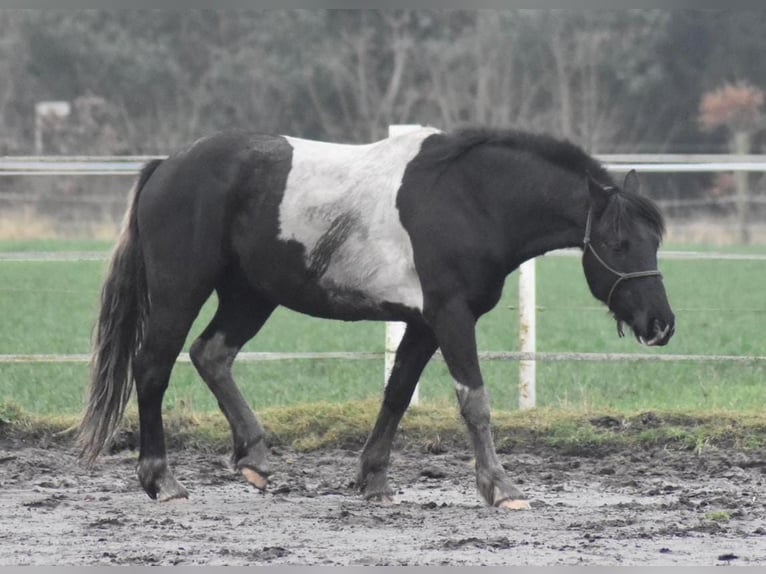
[[345, 195]]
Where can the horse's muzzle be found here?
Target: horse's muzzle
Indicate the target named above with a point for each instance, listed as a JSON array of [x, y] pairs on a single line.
[[659, 334]]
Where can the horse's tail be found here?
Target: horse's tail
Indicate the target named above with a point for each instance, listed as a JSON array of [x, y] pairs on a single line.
[[118, 332]]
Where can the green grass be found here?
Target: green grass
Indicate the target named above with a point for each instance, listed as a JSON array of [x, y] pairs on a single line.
[[27, 245], [50, 308], [311, 426], [718, 516]]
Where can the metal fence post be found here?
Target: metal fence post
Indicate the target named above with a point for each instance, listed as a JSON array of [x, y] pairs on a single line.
[[527, 334]]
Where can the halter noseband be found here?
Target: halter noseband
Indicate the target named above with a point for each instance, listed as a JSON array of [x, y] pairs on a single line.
[[620, 275]]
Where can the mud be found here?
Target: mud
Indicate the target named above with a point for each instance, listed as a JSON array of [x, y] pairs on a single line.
[[653, 507]]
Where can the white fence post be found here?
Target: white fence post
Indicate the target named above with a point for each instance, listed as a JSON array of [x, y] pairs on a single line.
[[394, 334], [395, 329], [527, 334]]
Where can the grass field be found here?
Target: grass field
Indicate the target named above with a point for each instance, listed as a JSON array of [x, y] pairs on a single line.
[[50, 308]]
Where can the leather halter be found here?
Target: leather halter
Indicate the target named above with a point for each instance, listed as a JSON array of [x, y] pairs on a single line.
[[621, 276]]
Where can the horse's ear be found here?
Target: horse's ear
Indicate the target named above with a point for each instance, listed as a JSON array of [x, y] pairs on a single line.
[[631, 183], [599, 193]]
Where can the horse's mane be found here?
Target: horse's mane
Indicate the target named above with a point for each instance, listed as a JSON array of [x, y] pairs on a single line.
[[623, 207]]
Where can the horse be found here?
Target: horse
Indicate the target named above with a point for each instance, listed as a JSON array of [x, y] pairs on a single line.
[[421, 228]]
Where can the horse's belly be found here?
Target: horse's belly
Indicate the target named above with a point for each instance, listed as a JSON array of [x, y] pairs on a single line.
[[355, 284], [380, 274], [360, 268]]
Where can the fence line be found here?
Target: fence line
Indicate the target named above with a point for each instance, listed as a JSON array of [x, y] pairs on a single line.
[[129, 165], [707, 201], [82, 199], [52, 256], [184, 357], [671, 254], [101, 200], [252, 357], [69, 256], [73, 165]]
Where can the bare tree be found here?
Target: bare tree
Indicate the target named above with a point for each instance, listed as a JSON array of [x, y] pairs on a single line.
[[357, 86], [476, 77]]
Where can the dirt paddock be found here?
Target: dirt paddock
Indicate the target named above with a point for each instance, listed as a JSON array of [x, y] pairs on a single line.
[[649, 507]]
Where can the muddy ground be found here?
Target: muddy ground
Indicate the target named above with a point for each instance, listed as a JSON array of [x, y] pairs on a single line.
[[649, 507]]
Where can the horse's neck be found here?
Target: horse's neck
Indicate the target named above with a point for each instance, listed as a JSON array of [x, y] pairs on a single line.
[[552, 218]]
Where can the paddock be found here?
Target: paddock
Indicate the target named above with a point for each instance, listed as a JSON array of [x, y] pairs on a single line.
[[656, 506], [652, 506]]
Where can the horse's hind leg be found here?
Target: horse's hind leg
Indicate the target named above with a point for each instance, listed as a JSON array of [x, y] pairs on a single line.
[[417, 347], [168, 324], [240, 315]]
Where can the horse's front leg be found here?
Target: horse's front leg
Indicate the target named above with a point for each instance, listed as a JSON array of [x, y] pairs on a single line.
[[455, 328], [417, 347]]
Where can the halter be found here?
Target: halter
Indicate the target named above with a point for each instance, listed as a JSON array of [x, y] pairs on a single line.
[[620, 275]]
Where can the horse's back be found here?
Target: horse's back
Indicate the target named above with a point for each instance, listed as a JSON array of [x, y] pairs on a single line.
[[312, 225]]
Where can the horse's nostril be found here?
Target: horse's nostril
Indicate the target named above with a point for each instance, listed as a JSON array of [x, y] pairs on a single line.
[[661, 326], [660, 333]]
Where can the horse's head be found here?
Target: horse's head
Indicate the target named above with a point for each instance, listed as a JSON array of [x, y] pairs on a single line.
[[622, 235]]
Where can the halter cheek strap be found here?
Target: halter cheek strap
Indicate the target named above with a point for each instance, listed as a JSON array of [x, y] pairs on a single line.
[[621, 276]]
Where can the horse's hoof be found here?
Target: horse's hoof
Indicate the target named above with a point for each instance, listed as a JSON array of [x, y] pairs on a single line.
[[171, 490], [255, 478], [158, 482], [510, 504], [174, 496], [381, 499]]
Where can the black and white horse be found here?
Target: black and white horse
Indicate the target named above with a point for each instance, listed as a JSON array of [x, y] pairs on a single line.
[[421, 228]]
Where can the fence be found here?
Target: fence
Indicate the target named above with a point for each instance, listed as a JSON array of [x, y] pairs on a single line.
[[527, 356]]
